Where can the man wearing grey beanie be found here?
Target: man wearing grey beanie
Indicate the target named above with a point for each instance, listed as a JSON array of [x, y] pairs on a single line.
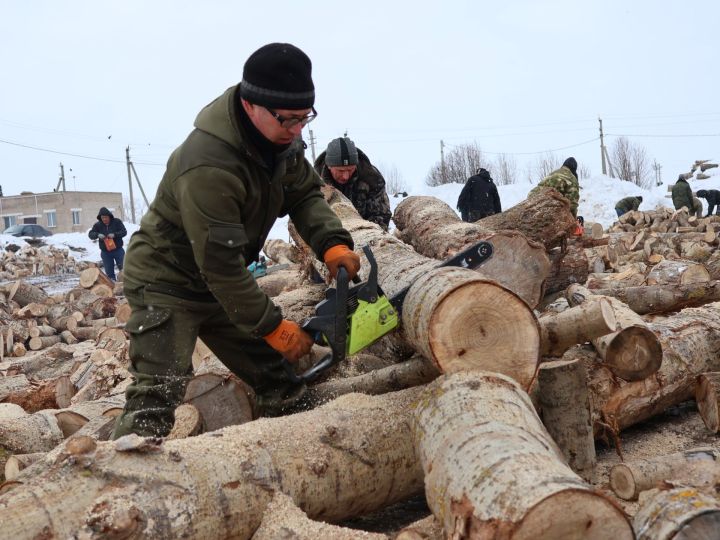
[[347, 169]]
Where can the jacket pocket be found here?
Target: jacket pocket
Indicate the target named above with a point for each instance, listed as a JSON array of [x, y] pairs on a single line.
[[225, 247], [144, 320]]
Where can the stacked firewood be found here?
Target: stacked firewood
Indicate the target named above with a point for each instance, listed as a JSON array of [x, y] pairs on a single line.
[[489, 399], [18, 262]]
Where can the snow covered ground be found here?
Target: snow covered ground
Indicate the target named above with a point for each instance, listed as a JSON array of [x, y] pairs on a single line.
[[598, 196]]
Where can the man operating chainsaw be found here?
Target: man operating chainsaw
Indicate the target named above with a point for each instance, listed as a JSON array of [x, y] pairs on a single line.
[[186, 270]]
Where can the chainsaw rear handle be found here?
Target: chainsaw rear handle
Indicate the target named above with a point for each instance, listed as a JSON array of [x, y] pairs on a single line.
[[326, 330]]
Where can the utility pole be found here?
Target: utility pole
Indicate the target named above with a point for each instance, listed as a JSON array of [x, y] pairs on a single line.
[[602, 147], [61, 180], [442, 161], [129, 165], [312, 144], [658, 173]]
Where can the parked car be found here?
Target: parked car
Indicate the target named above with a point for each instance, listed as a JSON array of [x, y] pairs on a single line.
[[27, 230]]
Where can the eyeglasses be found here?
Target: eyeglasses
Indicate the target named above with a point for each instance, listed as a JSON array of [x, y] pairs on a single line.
[[287, 123]]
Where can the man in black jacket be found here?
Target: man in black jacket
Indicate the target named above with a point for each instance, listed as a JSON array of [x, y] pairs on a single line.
[[712, 196], [479, 198], [109, 232]]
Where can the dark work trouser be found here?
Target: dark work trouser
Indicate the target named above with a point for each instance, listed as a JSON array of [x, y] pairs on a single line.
[[163, 329], [110, 258]]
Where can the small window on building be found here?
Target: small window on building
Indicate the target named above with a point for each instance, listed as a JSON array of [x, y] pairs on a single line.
[[51, 219], [76, 217], [9, 221]]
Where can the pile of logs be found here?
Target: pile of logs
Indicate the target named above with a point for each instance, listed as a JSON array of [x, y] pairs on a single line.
[[18, 262], [489, 398]]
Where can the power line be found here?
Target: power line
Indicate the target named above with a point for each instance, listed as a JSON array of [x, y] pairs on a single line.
[[673, 136], [110, 160], [539, 151]]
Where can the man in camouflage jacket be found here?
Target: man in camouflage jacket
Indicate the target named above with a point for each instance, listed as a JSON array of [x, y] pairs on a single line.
[[628, 204], [564, 180], [348, 169], [186, 270]]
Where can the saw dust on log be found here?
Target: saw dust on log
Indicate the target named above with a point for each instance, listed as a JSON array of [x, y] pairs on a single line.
[[218, 485]]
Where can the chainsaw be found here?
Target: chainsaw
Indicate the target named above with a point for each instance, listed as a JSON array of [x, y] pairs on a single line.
[[260, 268], [351, 318]]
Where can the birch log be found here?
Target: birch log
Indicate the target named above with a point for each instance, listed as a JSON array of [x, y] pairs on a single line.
[[633, 352], [677, 273], [678, 514], [589, 320], [492, 471], [449, 313], [545, 217], [219, 485], [567, 266], [565, 404], [697, 467], [435, 230], [664, 298], [25, 293]]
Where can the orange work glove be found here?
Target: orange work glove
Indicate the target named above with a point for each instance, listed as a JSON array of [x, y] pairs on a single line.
[[341, 255], [290, 340]]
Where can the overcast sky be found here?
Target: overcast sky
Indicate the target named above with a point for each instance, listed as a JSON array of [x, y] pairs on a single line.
[[518, 77]]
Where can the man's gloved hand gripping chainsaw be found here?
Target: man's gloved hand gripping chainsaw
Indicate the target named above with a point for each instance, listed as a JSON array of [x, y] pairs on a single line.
[[352, 318]]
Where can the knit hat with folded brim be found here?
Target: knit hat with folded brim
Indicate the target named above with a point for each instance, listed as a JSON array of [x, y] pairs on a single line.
[[278, 76]]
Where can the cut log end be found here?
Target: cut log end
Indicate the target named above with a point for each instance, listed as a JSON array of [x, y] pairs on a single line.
[[483, 326], [622, 482], [585, 514], [634, 354]]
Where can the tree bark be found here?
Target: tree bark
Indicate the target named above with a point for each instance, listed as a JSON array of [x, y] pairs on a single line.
[[632, 276], [633, 352], [25, 293], [37, 343], [565, 404], [664, 298], [18, 462], [567, 267], [281, 281], [706, 397], [545, 217], [34, 396], [677, 273], [629, 479], [678, 514], [492, 471], [435, 230], [282, 252], [331, 465], [587, 321]]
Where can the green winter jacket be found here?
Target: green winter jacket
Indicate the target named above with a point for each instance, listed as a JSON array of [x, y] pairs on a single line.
[[628, 204], [213, 211], [682, 195], [564, 181]]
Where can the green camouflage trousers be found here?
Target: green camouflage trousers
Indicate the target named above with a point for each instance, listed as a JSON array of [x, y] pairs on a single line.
[[163, 329]]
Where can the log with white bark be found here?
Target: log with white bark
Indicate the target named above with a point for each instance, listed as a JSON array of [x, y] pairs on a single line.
[[544, 217], [565, 404], [664, 298], [632, 275], [222, 399], [678, 514], [31, 310], [218, 485], [697, 467], [37, 343], [101, 377], [42, 330], [633, 352], [589, 320], [450, 315], [283, 519], [29, 433], [282, 280], [413, 372], [677, 273], [435, 230], [492, 471], [687, 353], [707, 394], [25, 293]]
